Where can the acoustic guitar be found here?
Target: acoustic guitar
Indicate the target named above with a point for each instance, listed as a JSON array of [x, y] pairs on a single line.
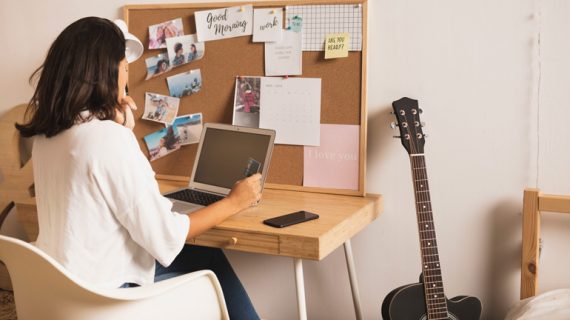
[[425, 300]]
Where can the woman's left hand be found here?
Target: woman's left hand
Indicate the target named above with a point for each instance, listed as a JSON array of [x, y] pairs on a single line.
[[125, 116]]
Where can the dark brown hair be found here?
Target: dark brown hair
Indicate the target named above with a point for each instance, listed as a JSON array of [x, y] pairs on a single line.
[[80, 73]]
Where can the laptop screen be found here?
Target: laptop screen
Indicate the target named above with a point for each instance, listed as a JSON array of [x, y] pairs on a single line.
[[227, 156]]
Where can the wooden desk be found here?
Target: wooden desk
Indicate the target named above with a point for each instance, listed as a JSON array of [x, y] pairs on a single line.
[[341, 217]]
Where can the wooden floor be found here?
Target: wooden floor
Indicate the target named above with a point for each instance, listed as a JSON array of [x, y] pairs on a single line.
[[7, 308]]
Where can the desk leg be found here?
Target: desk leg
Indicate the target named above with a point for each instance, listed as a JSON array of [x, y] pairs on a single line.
[[299, 281], [352, 277]]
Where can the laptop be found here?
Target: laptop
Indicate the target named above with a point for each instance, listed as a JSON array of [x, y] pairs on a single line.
[[226, 154]]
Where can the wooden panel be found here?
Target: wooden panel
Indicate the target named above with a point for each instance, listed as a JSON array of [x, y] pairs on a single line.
[[300, 247], [28, 217], [241, 241], [349, 227], [5, 283], [530, 245], [554, 203], [15, 179], [343, 96]]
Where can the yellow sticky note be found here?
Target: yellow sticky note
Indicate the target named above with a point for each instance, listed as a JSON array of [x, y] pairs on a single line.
[[336, 45]]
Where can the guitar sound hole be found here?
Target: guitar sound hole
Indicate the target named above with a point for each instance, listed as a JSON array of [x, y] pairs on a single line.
[[451, 316]]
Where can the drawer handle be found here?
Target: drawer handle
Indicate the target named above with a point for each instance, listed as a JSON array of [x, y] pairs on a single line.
[[233, 241]]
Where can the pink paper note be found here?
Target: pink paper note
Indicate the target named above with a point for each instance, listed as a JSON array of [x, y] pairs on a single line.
[[334, 164]]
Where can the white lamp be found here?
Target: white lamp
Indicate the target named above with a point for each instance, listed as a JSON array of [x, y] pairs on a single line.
[[133, 46]]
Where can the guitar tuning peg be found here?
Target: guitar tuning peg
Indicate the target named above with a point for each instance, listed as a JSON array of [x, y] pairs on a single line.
[[393, 125], [392, 112], [421, 110], [396, 137], [426, 135], [423, 124]]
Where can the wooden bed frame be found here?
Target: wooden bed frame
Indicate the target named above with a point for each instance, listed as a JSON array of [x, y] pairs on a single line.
[[535, 203]]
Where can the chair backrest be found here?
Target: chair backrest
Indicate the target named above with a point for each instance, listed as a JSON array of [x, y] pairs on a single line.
[[43, 289], [534, 204]]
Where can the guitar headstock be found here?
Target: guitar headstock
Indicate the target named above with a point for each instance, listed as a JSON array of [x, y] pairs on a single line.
[[407, 114]]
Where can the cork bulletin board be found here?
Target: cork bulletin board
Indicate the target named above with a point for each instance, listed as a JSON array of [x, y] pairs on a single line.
[[343, 88]]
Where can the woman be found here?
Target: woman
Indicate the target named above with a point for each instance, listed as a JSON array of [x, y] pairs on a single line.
[[178, 55], [248, 97], [193, 53], [161, 66], [100, 211], [159, 40]]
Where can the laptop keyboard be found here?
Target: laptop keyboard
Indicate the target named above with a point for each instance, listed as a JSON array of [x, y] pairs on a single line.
[[194, 196]]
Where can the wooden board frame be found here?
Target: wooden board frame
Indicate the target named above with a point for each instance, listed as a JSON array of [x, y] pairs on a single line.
[[343, 97]]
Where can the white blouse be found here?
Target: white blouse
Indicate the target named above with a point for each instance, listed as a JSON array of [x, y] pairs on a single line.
[[101, 214]]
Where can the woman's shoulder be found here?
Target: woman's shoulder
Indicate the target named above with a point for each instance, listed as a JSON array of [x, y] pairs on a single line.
[[104, 128], [106, 134]]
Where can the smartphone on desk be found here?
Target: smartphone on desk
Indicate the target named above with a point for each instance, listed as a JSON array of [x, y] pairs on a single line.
[[291, 218]]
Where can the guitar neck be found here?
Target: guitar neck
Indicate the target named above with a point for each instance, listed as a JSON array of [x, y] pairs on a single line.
[[433, 282]]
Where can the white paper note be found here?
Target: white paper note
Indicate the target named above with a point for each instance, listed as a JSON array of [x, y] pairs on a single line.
[[267, 25], [224, 23], [284, 57], [292, 107]]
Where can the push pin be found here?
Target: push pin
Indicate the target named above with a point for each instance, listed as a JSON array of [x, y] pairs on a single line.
[[241, 9]]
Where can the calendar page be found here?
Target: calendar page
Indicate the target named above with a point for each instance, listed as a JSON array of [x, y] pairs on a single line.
[[292, 107]]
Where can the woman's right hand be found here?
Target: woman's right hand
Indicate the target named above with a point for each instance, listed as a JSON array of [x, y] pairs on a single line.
[[246, 192], [125, 115]]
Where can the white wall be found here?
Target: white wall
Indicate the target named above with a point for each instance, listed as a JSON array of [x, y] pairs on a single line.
[[475, 67], [554, 136]]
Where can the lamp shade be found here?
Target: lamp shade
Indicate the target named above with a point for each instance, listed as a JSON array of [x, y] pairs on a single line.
[[133, 46]]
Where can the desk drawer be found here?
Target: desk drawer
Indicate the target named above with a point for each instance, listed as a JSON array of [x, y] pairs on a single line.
[[243, 241]]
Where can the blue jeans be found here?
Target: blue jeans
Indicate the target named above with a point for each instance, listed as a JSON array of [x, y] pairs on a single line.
[[193, 258]]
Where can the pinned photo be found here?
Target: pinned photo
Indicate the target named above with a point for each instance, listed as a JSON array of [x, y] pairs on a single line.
[[162, 142], [160, 108], [158, 33], [246, 102], [184, 49], [185, 84], [189, 128], [157, 65]]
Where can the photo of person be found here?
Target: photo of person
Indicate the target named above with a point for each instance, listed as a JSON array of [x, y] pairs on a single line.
[[162, 142], [184, 49], [189, 128], [185, 84], [160, 108], [193, 55], [157, 65], [158, 33], [178, 55], [246, 102]]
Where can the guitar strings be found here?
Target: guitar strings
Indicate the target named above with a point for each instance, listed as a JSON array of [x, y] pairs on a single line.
[[431, 267]]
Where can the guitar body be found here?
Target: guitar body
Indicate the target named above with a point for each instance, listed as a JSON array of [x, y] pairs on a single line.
[[408, 303]]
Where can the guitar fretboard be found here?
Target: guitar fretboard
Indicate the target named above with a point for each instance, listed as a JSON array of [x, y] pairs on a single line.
[[433, 282]]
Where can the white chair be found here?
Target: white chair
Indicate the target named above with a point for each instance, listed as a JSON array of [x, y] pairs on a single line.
[[43, 289]]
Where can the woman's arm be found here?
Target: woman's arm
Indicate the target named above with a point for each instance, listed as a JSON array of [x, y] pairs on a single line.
[[245, 193]]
